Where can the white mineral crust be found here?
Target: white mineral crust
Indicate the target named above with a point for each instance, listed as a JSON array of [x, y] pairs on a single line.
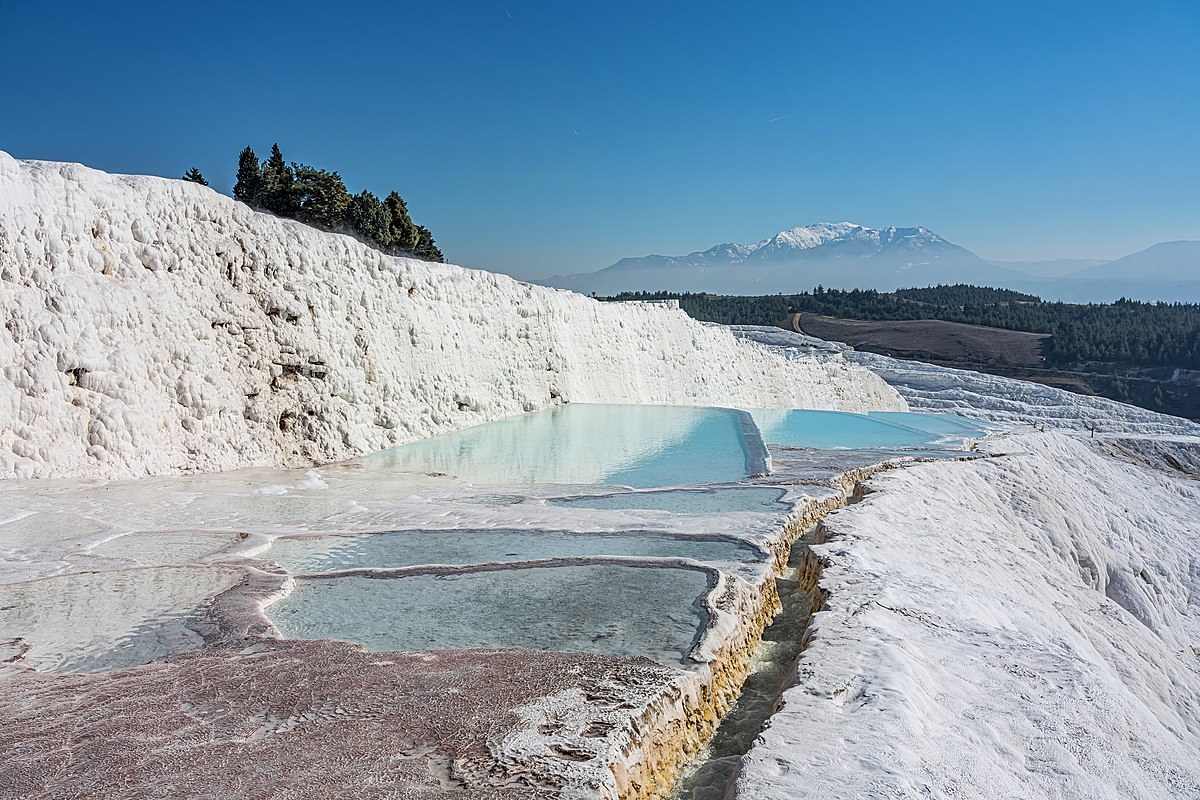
[[154, 326], [1019, 626]]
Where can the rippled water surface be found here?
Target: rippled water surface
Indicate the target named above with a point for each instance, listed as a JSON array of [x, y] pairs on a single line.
[[97, 621], [613, 610]]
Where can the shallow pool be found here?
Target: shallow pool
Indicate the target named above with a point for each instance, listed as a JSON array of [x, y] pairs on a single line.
[[611, 610], [836, 430], [300, 554], [683, 501], [942, 424], [153, 548], [622, 445], [98, 621]]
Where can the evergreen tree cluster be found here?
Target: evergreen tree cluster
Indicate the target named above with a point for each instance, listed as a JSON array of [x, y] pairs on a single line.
[[195, 176], [319, 197], [1125, 332], [964, 294]]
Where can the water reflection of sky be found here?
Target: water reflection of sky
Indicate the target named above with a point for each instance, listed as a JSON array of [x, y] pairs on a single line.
[[639, 446]]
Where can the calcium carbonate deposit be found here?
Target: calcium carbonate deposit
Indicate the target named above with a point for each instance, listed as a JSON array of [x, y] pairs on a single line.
[[1008, 617], [1026, 625], [154, 326]]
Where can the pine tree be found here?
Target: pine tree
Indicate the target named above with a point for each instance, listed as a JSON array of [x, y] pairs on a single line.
[[426, 248], [323, 196], [370, 218], [249, 184], [194, 176], [279, 193], [404, 233], [319, 197]]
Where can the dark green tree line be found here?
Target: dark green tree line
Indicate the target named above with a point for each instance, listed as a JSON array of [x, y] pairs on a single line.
[[1127, 331], [319, 197]]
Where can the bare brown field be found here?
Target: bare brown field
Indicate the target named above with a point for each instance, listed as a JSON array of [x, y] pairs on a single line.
[[1011, 354], [932, 340]]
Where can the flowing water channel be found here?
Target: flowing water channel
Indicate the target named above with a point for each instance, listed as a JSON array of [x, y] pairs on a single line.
[[712, 772]]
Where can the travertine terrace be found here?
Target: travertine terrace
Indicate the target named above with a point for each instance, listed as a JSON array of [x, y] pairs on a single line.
[[185, 381], [154, 326]]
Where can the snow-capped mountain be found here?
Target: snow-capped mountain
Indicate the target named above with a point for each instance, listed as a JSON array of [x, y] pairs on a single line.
[[835, 254], [809, 242], [848, 239]]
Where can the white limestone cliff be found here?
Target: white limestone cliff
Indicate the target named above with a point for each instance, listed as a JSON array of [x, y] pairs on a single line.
[[154, 326]]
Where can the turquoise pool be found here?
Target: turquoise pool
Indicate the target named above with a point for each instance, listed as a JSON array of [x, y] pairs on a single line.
[[619, 445], [657, 447], [942, 424], [837, 430]]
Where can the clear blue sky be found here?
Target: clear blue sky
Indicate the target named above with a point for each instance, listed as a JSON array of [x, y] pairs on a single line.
[[556, 137]]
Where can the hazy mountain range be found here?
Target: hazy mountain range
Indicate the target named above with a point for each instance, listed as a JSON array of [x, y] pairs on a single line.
[[845, 255]]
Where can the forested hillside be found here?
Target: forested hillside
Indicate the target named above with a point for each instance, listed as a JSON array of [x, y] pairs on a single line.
[[1126, 332]]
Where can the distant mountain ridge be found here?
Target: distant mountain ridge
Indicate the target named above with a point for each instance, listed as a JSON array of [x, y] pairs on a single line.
[[1166, 261], [846, 255], [837, 239], [1050, 267], [830, 253]]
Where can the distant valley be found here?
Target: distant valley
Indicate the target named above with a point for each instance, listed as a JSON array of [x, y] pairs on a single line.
[[1145, 354], [845, 255]]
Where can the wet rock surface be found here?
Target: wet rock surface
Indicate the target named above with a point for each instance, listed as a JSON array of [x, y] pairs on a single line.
[[318, 719]]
